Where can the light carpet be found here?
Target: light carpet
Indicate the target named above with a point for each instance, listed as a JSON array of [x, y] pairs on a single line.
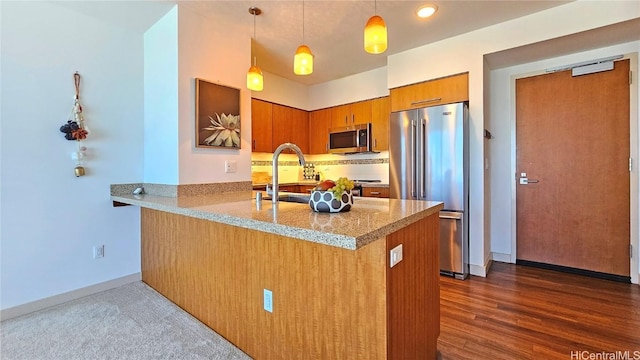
[[129, 322]]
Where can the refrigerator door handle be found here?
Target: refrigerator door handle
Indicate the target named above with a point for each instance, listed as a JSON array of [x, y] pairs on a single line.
[[423, 147], [414, 160]]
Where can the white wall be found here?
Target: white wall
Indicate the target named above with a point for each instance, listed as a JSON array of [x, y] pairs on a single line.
[[465, 53], [502, 156], [219, 54], [161, 101], [283, 91], [367, 85], [50, 220]]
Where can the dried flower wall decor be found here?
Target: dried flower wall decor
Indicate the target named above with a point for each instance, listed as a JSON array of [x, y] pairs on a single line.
[[75, 128], [217, 115]]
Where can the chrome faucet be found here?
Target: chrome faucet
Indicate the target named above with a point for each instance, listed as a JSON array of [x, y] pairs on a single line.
[[274, 168]]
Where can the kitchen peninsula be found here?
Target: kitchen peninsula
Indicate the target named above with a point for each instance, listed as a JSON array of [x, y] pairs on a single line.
[[333, 294]]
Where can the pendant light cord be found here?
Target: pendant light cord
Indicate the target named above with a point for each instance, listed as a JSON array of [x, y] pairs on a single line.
[[303, 21], [254, 35]]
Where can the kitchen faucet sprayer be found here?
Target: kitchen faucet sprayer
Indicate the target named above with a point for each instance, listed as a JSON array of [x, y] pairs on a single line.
[[274, 168]]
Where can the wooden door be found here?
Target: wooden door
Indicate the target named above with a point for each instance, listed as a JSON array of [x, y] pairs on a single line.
[[319, 124], [261, 126], [572, 136], [380, 111]]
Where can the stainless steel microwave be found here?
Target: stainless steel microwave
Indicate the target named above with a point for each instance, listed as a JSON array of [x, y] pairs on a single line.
[[350, 139]]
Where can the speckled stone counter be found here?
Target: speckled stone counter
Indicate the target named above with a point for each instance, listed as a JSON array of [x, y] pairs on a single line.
[[369, 219]]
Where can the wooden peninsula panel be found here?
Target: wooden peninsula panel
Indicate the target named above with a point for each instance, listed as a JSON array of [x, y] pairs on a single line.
[[328, 302], [414, 292]]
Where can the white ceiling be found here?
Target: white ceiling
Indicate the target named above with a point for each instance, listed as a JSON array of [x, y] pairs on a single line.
[[334, 29]]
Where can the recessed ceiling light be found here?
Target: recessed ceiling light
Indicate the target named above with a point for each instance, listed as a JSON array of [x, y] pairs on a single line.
[[426, 10]]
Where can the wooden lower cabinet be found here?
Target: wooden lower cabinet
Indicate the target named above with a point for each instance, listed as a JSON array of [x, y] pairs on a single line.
[[288, 188], [305, 189], [328, 302], [381, 192]]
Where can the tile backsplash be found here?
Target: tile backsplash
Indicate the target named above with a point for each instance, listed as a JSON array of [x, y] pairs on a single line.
[[355, 166]]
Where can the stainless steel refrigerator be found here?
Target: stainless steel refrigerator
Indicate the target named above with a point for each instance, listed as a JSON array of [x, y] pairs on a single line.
[[429, 160]]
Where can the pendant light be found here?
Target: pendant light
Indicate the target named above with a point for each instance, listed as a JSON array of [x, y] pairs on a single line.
[[375, 34], [303, 59], [255, 81]]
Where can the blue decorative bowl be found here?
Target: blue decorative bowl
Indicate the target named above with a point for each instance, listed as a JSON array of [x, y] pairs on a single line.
[[325, 201]]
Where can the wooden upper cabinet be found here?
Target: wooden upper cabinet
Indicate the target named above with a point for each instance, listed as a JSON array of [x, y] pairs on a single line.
[[290, 125], [446, 90], [380, 111], [300, 129], [350, 114], [361, 112], [340, 115], [261, 126], [319, 124]]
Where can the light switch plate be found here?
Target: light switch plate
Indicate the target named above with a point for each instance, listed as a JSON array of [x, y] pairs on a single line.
[[230, 166], [395, 255]]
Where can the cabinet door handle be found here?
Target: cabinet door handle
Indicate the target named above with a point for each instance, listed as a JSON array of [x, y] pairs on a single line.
[[353, 118], [254, 144], [425, 101], [375, 143], [375, 193]]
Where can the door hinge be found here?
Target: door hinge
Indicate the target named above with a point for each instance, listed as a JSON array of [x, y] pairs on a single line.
[[630, 164], [630, 77], [631, 251]]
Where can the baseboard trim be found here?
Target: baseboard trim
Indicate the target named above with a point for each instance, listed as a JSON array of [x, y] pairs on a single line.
[[500, 257], [570, 270], [481, 270], [30, 307]]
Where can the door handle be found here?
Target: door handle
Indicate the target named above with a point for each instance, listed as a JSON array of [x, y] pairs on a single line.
[[525, 181]]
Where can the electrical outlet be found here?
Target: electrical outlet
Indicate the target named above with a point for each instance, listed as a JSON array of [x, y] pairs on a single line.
[[98, 251], [395, 255], [268, 300], [230, 166]]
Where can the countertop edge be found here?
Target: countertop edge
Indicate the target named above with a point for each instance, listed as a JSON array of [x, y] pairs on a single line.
[[315, 236]]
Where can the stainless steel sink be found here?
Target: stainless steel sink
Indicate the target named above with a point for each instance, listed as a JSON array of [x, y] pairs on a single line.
[[296, 198]]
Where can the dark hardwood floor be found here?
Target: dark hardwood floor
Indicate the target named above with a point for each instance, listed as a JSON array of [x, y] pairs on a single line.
[[519, 312]]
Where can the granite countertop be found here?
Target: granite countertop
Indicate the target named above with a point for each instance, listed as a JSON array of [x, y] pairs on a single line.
[[368, 220]]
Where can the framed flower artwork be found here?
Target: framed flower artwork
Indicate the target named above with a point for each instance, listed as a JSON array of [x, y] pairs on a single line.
[[217, 115]]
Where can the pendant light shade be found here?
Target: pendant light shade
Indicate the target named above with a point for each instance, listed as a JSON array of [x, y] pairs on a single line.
[[375, 35], [303, 61], [255, 81]]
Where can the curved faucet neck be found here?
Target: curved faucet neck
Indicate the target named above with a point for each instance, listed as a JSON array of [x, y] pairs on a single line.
[[274, 166]]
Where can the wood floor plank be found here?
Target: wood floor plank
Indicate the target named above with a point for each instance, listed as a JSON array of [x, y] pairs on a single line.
[[520, 312]]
